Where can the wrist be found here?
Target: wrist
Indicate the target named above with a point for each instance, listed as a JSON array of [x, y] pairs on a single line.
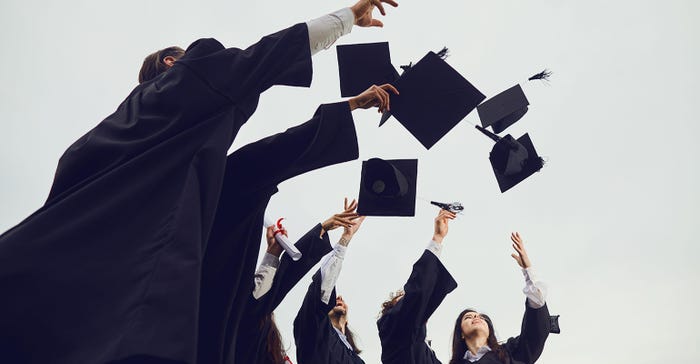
[[352, 103], [277, 252], [345, 240], [438, 239]]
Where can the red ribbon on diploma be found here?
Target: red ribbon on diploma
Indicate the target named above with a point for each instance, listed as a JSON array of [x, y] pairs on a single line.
[[280, 228]]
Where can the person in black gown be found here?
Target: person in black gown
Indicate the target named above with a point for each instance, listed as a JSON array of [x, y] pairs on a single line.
[[321, 330], [473, 337], [260, 341], [402, 324], [122, 260]]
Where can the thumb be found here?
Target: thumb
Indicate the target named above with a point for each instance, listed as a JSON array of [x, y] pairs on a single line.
[[376, 23]]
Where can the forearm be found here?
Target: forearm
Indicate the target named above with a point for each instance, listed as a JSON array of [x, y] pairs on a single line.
[[325, 30], [265, 275], [331, 267]]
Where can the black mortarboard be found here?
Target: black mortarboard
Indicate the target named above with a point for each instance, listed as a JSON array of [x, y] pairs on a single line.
[[504, 109], [388, 187], [433, 97], [554, 324], [512, 160], [363, 65]]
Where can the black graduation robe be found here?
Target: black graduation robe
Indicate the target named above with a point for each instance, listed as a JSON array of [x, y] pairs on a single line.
[[527, 347], [402, 330], [316, 340], [252, 342], [232, 251], [110, 266]]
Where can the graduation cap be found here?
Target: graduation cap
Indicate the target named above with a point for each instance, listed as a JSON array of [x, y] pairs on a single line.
[[504, 109], [363, 65], [554, 324], [388, 187], [433, 98], [512, 160]]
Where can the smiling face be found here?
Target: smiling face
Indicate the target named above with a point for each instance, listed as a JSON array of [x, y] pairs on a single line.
[[473, 324]]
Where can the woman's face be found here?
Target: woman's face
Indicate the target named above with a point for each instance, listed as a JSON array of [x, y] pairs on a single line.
[[473, 323]]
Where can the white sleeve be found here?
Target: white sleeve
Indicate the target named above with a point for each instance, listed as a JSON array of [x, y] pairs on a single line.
[[536, 291], [434, 248], [324, 31], [330, 270], [265, 275]]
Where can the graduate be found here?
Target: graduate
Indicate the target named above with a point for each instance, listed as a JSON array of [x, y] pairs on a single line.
[[321, 331], [473, 337], [402, 324], [260, 340], [112, 267]]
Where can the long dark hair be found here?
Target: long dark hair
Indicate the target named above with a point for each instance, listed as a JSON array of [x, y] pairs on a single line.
[[275, 347], [153, 64], [351, 339], [459, 347]]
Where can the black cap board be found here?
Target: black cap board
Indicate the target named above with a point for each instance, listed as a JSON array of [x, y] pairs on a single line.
[[388, 187], [433, 98], [504, 109], [363, 65]]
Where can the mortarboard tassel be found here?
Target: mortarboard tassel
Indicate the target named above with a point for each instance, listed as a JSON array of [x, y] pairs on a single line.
[[444, 53], [544, 75], [488, 133], [406, 67]]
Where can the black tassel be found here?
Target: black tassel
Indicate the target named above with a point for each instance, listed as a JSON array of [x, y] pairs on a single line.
[[444, 53], [489, 134], [544, 75], [406, 67]]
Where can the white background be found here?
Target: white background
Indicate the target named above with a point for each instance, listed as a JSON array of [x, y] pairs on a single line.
[[607, 222]]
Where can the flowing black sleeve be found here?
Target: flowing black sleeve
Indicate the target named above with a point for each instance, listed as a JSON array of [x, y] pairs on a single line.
[[327, 138], [312, 326], [425, 289], [528, 346], [312, 247], [282, 58]]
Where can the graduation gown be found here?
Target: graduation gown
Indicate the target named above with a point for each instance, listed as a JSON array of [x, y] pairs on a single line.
[[316, 340], [233, 247], [252, 342], [527, 347], [402, 330], [110, 266]]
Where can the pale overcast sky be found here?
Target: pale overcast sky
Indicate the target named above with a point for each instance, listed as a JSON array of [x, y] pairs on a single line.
[[608, 221]]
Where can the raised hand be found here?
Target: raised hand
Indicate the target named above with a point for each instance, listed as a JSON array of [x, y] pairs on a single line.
[[374, 96], [363, 12], [344, 219], [273, 247], [442, 224], [521, 256]]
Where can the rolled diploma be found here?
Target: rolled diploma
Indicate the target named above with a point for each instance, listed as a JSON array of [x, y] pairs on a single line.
[[283, 241]]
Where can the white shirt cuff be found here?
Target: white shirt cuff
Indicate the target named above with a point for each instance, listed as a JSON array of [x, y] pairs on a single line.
[[324, 31], [434, 248], [535, 291], [270, 260]]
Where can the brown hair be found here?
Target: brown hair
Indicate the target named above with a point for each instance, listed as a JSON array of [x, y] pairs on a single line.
[[459, 347], [275, 348], [351, 339], [391, 302], [153, 64]]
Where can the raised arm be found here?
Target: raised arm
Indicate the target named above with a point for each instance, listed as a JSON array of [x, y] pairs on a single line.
[[528, 346], [425, 289]]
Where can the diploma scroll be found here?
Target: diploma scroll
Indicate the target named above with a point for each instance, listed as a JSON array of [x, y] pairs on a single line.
[[283, 241]]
